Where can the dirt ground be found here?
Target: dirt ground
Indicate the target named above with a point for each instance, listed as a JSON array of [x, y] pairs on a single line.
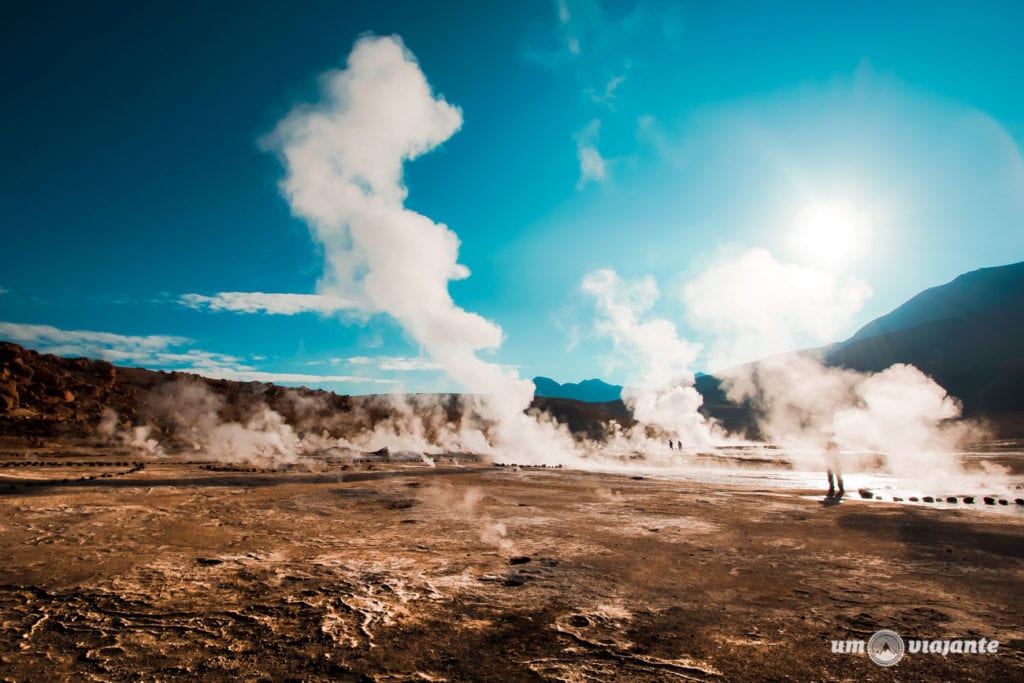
[[466, 572]]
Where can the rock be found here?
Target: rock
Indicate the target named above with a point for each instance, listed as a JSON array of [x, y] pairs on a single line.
[[969, 500], [951, 499], [8, 403], [69, 397], [866, 493], [989, 500], [9, 388], [48, 377], [928, 499], [522, 559], [19, 369], [103, 371]]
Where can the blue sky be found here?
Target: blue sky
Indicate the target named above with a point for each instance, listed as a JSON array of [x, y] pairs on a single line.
[[657, 139]]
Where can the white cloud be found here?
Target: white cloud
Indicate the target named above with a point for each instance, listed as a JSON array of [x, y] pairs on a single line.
[[593, 166], [271, 303], [4, 291], [754, 306]]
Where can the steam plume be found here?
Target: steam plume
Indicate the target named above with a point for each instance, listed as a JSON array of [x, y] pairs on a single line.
[[343, 159], [660, 392]]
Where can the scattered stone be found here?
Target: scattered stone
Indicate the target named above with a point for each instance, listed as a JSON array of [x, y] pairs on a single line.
[[928, 499], [208, 561], [969, 500], [866, 493], [521, 559], [989, 500], [951, 499]]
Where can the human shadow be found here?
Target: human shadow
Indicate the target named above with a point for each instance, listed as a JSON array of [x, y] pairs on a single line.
[[833, 497]]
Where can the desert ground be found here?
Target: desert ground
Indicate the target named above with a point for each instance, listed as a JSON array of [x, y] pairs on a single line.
[[127, 568]]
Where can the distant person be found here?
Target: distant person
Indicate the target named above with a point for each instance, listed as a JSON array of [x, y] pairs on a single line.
[[834, 468]]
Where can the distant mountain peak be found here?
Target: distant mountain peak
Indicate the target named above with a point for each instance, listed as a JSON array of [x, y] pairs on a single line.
[[589, 390], [965, 334], [961, 297]]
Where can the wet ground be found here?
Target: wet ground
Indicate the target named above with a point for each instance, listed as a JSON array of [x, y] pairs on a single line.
[[399, 571]]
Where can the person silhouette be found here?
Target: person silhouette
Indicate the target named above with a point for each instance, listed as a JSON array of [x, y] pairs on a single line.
[[834, 469]]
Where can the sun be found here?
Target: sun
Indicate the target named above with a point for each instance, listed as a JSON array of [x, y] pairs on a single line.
[[831, 233]]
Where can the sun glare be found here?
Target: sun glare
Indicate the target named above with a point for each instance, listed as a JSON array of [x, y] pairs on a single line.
[[831, 233]]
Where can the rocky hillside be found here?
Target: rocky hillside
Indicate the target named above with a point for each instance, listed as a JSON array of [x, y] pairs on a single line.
[[967, 334], [45, 396]]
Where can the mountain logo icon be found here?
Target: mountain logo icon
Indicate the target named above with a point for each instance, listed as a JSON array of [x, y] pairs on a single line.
[[885, 648]]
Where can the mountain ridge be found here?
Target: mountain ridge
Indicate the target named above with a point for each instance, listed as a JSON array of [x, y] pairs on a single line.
[[592, 390]]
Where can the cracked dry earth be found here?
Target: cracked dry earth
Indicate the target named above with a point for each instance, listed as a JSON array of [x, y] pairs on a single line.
[[482, 574]]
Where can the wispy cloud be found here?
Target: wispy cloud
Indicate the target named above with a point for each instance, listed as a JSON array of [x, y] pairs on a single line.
[[593, 166], [244, 375], [606, 95], [596, 45], [403, 364], [270, 303], [119, 348], [386, 363], [161, 352]]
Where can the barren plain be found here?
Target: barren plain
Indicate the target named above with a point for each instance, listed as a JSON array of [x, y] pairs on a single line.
[[169, 569]]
